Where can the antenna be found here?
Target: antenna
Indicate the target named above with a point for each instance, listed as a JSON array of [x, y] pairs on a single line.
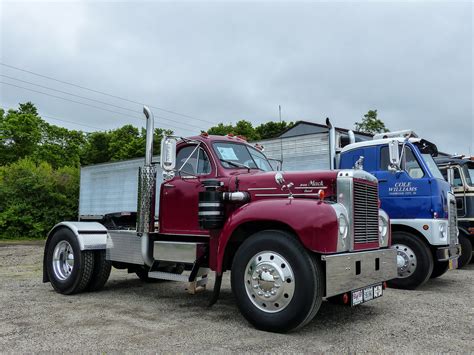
[[281, 139]]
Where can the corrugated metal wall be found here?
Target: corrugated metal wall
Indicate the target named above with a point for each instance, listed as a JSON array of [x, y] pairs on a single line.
[[111, 187], [307, 152]]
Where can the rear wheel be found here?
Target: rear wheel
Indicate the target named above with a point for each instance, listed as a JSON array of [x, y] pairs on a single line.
[[277, 284], [101, 272], [440, 267], [466, 251], [69, 269], [414, 261]]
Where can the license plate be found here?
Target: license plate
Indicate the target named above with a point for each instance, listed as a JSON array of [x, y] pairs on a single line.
[[366, 294], [453, 264]]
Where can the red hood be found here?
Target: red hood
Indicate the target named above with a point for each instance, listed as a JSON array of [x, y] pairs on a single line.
[[306, 183]]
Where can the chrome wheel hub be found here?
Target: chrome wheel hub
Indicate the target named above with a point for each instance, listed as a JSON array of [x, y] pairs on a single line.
[[269, 281], [63, 260], [406, 260]]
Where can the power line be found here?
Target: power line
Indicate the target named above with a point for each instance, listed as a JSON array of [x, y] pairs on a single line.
[[100, 108], [104, 93], [68, 93], [79, 124], [88, 98]]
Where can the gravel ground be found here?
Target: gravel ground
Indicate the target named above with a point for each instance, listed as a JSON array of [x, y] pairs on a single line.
[[132, 316]]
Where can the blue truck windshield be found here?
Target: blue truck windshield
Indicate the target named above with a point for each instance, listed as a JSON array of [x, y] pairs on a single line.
[[432, 166]]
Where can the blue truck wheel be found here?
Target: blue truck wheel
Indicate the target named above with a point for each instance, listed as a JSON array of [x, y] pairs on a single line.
[[414, 261]]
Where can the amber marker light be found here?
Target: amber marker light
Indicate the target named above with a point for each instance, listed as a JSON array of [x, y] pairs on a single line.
[[321, 194], [426, 227], [345, 298]]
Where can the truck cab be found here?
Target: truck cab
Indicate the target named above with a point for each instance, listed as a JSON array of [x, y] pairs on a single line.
[[419, 201], [289, 239], [462, 180]]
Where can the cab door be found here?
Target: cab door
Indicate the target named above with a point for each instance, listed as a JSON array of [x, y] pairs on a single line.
[[404, 194], [179, 196]]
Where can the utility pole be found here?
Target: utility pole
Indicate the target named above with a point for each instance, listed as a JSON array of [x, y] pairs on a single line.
[[281, 139]]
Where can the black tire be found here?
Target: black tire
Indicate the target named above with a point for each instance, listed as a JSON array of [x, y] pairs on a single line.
[[466, 251], [142, 273], [440, 267], [307, 284], [101, 271], [81, 272], [424, 261]]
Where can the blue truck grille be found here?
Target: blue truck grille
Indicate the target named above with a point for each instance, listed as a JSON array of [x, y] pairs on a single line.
[[366, 213]]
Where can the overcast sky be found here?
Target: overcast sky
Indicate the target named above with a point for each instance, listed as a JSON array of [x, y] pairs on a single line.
[[222, 62]]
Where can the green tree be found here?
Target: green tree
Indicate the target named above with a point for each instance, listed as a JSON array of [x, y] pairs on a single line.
[[221, 129], [34, 197], [371, 124], [272, 129], [20, 133]]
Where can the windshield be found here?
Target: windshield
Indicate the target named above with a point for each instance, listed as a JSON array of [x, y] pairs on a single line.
[[235, 155], [432, 166]]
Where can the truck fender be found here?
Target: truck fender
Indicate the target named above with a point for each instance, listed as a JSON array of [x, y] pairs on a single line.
[[90, 235], [314, 223]]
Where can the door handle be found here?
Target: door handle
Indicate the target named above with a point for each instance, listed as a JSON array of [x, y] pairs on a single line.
[[169, 186]]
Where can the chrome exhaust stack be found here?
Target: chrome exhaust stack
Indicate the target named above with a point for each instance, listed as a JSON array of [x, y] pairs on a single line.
[[146, 193], [332, 144], [352, 138]]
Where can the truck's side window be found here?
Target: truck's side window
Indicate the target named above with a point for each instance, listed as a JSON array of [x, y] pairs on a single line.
[[197, 164], [457, 178], [384, 158], [411, 165], [409, 162]]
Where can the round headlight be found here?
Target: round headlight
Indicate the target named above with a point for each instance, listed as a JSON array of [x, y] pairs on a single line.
[[383, 229], [343, 227], [443, 230]]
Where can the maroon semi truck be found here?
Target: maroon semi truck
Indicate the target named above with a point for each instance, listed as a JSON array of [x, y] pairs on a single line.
[[289, 239]]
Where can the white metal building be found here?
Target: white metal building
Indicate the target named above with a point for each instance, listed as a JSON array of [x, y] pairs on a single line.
[[305, 145]]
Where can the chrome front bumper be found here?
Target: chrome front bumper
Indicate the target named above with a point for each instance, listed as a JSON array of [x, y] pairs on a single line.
[[448, 252], [349, 271]]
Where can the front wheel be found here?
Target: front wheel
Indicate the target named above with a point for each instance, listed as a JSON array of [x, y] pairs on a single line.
[[466, 251], [414, 261], [69, 269], [277, 284]]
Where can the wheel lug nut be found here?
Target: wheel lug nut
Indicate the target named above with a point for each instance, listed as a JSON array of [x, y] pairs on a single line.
[[277, 285], [271, 270], [276, 277], [267, 295], [273, 293], [254, 278], [255, 286], [260, 293]]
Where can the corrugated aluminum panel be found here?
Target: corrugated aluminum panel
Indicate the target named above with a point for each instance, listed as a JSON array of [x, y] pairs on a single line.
[[308, 152], [111, 187]]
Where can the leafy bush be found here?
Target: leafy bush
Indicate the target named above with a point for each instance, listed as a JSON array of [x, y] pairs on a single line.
[[34, 197]]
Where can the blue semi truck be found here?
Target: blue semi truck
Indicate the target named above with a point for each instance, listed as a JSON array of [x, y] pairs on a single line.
[[418, 200]]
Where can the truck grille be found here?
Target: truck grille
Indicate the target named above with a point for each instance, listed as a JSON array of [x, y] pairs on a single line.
[[453, 223], [366, 213]]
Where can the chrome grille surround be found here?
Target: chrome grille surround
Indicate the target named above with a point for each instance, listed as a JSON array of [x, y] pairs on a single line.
[[361, 211], [452, 219]]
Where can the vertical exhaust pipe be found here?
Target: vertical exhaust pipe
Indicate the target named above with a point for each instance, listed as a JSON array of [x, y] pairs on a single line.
[[146, 193], [332, 144], [352, 138]]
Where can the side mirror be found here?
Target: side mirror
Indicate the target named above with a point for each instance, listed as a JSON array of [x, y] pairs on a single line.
[[394, 156], [168, 153]]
